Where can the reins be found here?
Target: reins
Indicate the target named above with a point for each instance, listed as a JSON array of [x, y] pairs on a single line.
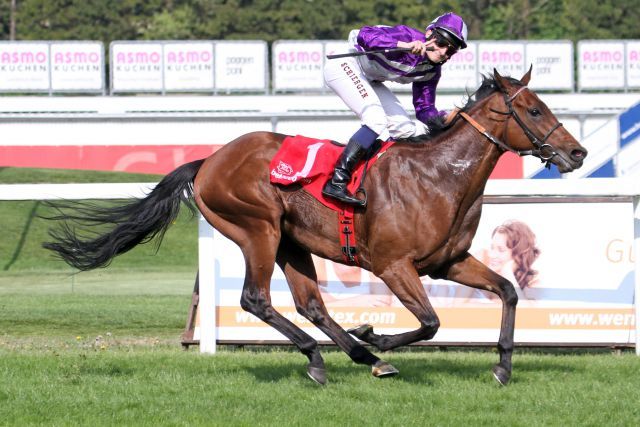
[[541, 150], [486, 133]]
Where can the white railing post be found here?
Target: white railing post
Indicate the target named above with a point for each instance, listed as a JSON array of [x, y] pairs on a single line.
[[207, 287], [636, 252]]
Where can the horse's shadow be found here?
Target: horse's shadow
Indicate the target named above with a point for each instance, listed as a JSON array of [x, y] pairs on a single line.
[[411, 371], [425, 369], [428, 369]]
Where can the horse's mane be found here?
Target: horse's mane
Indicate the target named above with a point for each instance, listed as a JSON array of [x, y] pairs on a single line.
[[437, 126]]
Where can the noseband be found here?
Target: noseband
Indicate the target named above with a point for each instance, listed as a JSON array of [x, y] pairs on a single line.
[[541, 150]]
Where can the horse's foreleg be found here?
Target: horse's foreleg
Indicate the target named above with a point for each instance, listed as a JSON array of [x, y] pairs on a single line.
[[299, 270], [403, 280], [471, 272]]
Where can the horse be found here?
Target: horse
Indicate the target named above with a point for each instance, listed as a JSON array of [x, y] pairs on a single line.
[[424, 206]]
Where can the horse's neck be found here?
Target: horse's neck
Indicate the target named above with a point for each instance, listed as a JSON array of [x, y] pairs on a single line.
[[471, 148]]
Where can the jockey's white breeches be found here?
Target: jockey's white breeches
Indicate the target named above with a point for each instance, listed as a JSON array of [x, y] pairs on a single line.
[[374, 104]]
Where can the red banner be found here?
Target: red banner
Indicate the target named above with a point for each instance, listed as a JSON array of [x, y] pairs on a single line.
[[155, 159]]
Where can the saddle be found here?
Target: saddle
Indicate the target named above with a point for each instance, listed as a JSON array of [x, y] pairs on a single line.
[[309, 162]]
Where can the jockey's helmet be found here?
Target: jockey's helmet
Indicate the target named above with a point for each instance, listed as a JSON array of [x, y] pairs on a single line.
[[451, 27]]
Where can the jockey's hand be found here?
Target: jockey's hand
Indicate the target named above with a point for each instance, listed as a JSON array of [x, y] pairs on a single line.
[[417, 47]]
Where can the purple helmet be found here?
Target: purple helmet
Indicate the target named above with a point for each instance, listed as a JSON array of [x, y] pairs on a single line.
[[452, 27]]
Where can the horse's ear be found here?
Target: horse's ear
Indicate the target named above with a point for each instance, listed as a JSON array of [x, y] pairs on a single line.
[[500, 81], [527, 77]]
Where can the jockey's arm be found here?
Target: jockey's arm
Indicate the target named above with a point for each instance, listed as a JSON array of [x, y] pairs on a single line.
[[383, 37], [424, 100]]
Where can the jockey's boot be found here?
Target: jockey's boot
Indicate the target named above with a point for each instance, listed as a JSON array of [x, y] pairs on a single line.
[[336, 187]]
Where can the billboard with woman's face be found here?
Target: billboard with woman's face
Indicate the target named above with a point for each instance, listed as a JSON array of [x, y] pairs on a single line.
[[571, 263]]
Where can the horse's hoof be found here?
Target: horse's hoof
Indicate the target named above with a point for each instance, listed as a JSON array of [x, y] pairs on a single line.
[[383, 369], [501, 375], [361, 331], [319, 375]]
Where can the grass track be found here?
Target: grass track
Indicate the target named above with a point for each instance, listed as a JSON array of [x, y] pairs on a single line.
[[162, 385]]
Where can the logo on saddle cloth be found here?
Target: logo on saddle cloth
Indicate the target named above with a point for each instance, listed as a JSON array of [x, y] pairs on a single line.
[[288, 173], [309, 162], [283, 171]]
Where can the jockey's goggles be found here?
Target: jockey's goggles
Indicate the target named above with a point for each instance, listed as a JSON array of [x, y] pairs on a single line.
[[443, 39]]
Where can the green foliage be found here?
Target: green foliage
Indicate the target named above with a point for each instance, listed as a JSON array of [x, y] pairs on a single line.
[[170, 25], [593, 19], [5, 19], [270, 20], [85, 19]]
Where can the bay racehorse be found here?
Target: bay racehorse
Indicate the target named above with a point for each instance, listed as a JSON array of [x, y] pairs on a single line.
[[424, 205]]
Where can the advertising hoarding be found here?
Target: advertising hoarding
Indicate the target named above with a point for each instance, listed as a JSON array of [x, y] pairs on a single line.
[[578, 288], [188, 66], [633, 64], [77, 67], [601, 64], [24, 67], [241, 65], [461, 70], [52, 66], [297, 65], [136, 67], [552, 64], [505, 56]]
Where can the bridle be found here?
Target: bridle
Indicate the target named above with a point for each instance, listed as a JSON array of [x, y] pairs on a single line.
[[541, 150]]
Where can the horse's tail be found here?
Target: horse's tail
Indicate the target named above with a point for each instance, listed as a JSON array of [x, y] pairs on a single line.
[[127, 226]]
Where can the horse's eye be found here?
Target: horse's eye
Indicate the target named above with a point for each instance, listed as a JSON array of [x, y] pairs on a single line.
[[534, 112]]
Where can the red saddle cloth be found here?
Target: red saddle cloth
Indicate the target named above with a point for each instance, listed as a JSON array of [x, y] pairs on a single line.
[[310, 162]]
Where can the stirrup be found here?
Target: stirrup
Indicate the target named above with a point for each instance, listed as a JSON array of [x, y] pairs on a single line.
[[331, 190]]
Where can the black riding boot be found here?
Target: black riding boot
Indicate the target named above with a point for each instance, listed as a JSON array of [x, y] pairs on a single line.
[[336, 187]]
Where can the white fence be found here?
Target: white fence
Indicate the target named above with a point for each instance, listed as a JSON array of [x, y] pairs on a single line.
[[204, 120]]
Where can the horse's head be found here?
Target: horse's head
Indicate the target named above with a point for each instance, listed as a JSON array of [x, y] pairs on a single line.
[[535, 129]]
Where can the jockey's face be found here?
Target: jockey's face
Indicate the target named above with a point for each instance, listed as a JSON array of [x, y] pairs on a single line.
[[440, 50]]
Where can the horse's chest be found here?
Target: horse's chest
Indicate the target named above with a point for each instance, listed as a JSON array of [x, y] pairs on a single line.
[[464, 231], [454, 244]]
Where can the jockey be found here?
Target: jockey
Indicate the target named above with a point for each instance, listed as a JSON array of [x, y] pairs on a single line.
[[358, 82]]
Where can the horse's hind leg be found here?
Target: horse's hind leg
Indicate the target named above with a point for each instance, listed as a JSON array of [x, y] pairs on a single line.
[[402, 279], [259, 249], [471, 272], [300, 272]]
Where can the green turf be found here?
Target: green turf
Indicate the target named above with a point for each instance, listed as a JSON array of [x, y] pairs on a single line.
[[84, 382], [24, 231], [10, 175], [142, 303]]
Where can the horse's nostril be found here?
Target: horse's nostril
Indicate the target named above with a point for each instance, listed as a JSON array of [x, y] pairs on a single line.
[[578, 154]]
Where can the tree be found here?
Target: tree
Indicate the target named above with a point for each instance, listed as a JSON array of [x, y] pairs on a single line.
[[270, 20], [593, 19], [84, 19], [5, 17]]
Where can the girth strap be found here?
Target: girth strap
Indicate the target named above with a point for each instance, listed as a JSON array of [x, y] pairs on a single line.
[[348, 236]]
